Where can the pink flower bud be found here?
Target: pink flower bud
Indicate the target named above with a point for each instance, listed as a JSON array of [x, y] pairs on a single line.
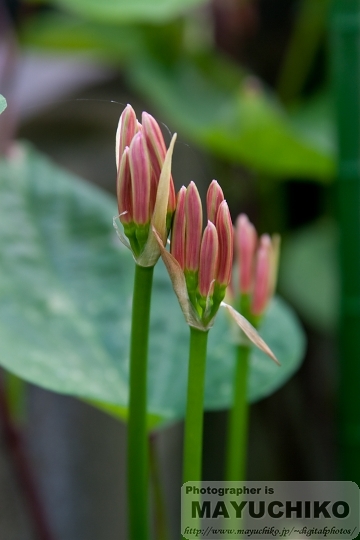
[[177, 245], [126, 130], [262, 276], [157, 151], [245, 239], [123, 188], [225, 233], [141, 179], [214, 198], [209, 259], [154, 141], [193, 216]]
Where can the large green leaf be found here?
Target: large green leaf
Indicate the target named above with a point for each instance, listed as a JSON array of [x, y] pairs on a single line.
[[2, 103], [232, 115], [207, 97], [65, 302], [123, 11], [309, 275], [58, 31]]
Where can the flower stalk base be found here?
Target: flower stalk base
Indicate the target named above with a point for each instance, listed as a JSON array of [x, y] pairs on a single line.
[[238, 420], [137, 450], [195, 406]]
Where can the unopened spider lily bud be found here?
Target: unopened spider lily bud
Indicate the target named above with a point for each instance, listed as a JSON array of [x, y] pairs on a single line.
[[154, 140], [214, 198], [145, 189], [204, 259], [123, 189], [209, 260], [193, 235], [225, 232], [225, 235], [200, 265], [157, 151], [258, 263], [177, 245], [127, 128], [201, 272], [193, 216], [262, 276], [246, 240], [141, 174]]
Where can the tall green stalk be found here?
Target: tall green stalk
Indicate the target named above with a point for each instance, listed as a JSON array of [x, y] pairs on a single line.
[[345, 36], [235, 467], [195, 406], [160, 521], [137, 456]]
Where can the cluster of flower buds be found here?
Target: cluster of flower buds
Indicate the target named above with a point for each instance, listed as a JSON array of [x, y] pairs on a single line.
[[258, 265], [140, 154], [199, 263], [204, 257]]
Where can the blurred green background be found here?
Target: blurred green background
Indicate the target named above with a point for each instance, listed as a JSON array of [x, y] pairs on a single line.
[[246, 85]]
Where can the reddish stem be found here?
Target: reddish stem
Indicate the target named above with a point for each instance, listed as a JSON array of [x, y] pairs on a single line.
[[23, 471]]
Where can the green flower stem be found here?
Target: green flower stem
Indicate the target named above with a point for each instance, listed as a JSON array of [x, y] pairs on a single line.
[[137, 456], [195, 405], [161, 526], [238, 420]]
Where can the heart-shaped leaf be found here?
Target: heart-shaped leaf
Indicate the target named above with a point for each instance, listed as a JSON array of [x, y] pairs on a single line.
[[65, 302]]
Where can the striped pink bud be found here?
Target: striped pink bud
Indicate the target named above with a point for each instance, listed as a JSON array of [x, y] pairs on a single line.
[[172, 198], [141, 177], [209, 257], [205, 259], [193, 216], [262, 276], [123, 189], [245, 240], [157, 151], [214, 198], [177, 245], [126, 130], [225, 233]]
